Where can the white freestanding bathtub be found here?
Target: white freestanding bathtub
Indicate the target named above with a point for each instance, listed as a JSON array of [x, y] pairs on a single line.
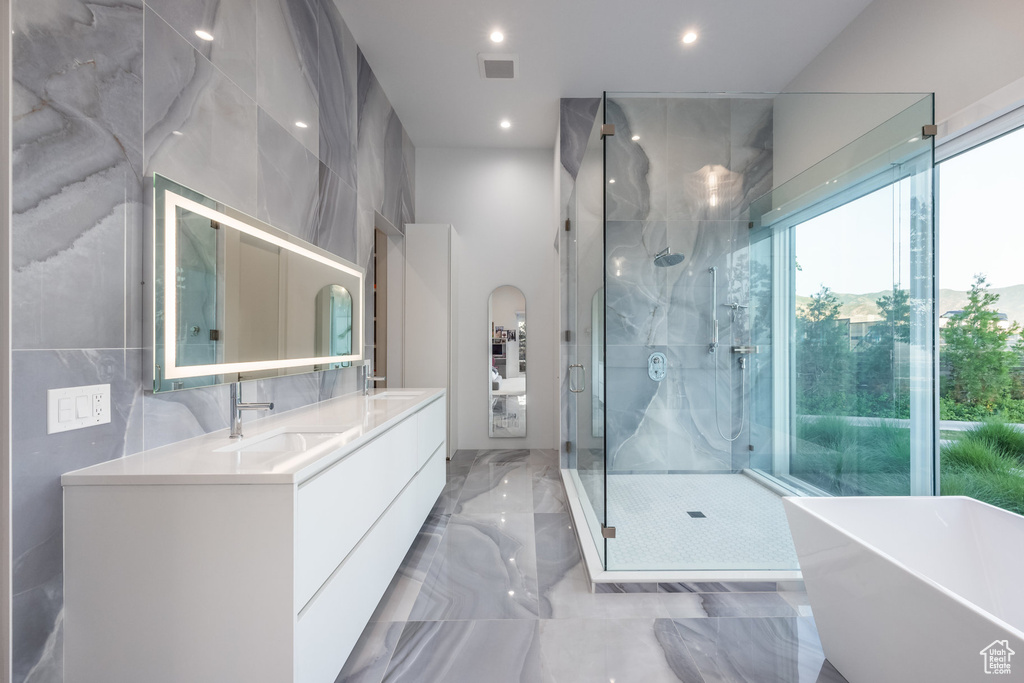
[[914, 588]]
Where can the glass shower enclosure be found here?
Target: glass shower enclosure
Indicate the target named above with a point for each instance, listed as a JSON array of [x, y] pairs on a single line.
[[752, 287]]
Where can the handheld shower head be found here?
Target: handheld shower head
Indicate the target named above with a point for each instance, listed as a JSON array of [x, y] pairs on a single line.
[[666, 258]]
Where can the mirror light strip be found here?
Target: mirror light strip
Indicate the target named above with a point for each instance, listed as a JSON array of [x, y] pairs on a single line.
[[172, 370]]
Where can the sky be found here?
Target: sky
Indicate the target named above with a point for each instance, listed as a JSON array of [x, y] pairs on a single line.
[[863, 246]]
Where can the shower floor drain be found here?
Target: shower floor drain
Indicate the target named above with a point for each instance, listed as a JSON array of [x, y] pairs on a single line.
[[697, 514]]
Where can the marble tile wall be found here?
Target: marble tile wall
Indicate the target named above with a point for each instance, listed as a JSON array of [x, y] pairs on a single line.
[[106, 93], [686, 182]]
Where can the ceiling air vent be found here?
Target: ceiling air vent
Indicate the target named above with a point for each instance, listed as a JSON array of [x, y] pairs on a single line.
[[500, 66]]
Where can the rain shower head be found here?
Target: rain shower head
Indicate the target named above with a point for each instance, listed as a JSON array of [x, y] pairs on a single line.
[[666, 258]]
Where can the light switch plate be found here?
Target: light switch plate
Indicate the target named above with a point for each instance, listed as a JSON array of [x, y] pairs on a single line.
[[96, 397]]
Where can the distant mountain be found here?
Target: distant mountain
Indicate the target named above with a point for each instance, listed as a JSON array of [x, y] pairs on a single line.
[[1011, 302]]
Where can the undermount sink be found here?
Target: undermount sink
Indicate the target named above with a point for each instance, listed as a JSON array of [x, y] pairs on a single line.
[[396, 394], [285, 442]]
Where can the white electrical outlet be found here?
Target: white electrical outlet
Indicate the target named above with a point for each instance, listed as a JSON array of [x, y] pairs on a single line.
[[77, 407]]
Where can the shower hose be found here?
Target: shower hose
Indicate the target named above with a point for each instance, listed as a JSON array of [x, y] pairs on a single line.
[[743, 403]]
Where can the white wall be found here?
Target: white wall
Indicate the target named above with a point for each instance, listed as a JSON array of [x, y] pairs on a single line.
[[499, 201], [962, 51]]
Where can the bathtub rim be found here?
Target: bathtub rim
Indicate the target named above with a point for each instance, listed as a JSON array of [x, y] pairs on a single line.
[[800, 502]]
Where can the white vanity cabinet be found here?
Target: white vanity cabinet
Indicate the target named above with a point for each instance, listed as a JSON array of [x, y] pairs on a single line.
[[184, 569]]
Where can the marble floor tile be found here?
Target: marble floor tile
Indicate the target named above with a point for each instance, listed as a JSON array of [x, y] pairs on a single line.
[[485, 568], [468, 652], [398, 599], [497, 487], [548, 492], [746, 605], [503, 456], [449, 496], [562, 584], [372, 654], [754, 650], [505, 597], [624, 651], [718, 587]]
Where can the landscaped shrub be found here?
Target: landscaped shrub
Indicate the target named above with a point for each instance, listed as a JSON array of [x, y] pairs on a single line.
[[975, 454], [1005, 437], [986, 463], [1002, 489]]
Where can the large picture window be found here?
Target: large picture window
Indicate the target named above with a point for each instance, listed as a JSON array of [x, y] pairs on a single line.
[[981, 310]]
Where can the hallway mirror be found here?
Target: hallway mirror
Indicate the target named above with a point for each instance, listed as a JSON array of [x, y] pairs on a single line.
[[506, 392]]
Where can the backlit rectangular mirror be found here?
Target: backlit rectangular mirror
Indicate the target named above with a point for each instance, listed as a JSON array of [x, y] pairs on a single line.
[[235, 298]]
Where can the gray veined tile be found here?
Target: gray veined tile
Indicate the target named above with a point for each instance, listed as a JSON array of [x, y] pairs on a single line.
[[485, 568], [177, 415], [754, 650], [46, 314], [38, 460], [288, 392], [747, 605], [468, 652], [288, 180], [449, 496], [502, 487], [336, 216], [232, 23], [200, 126], [577, 117], [338, 73], [79, 60], [288, 67], [548, 491], [372, 653], [624, 651], [563, 588]]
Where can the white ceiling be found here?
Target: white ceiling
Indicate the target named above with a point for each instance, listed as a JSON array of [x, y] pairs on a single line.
[[425, 55]]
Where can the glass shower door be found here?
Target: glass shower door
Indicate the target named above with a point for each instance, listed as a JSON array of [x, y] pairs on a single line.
[[585, 311]]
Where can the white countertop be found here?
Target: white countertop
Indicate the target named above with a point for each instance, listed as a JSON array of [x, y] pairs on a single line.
[[321, 434]]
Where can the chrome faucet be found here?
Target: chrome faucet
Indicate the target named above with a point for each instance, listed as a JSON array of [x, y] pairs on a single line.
[[368, 378], [237, 406]]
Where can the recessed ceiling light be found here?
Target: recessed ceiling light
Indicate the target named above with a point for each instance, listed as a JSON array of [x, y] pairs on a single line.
[[689, 37], [205, 35], [176, 132], [611, 180], [635, 138], [301, 124], [506, 124], [497, 37]]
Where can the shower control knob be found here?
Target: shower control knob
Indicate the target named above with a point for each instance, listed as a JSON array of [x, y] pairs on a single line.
[[657, 366]]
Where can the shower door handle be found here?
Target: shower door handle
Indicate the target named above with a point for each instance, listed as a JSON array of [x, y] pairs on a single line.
[[584, 371]]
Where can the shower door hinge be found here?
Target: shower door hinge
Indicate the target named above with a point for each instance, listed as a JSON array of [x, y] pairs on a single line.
[[568, 446], [215, 225], [567, 225], [568, 336], [214, 335], [608, 531], [929, 131], [607, 129]]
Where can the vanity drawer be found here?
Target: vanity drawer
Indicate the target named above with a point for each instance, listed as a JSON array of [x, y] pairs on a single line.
[[330, 626], [334, 509], [432, 426]]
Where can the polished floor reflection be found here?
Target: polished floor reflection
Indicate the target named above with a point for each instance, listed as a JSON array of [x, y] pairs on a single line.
[[494, 590]]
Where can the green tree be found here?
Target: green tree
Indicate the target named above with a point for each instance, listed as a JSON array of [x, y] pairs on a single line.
[[977, 353], [823, 356], [879, 387]]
